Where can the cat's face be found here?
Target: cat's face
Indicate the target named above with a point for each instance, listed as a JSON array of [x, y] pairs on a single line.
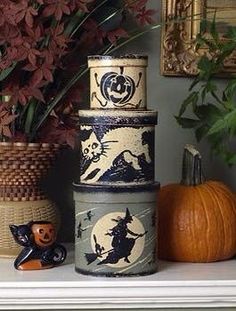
[[92, 148], [22, 234]]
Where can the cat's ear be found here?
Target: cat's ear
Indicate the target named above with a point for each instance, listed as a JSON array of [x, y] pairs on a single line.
[[30, 224], [85, 134], [14, 229], [93, 137]]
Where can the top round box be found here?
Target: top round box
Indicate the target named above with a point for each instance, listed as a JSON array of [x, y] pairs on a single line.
[[118, 82]]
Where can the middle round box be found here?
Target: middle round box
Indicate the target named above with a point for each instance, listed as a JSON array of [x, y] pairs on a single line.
[[117, 147]]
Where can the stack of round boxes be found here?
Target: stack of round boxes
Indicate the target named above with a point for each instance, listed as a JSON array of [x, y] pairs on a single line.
[[115, 197]]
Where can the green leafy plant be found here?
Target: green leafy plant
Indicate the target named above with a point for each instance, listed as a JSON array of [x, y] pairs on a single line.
[[214, 109]]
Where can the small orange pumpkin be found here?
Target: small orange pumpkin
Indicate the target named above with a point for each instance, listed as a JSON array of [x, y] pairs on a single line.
[[44, 233], [197, 218]]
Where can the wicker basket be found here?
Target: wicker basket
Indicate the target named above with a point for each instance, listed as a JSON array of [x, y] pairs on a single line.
[[22, 166]]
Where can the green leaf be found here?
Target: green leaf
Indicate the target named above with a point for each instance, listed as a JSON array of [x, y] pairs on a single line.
[[187, 122], [199, 41], [191, 99], [78, 18], [205, 64], [201, 132], [133, 36], [231, 159], [84, 18], [216, 98], [217, 140], [218, 126], [222, 148], [207, 68], [195, 82], [230, 90], [204, 26], [30, 116], [228, 123], [209, 113], [5, 73], [213, 30], [227, 48], [204, 41], [111, 14], [231, 33], [209, 87]]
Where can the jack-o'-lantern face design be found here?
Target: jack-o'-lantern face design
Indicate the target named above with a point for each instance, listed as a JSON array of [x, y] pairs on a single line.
[[117, 88], [44, 234]]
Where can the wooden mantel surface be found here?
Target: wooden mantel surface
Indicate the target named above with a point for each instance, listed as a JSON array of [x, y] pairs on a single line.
[[176, 285]]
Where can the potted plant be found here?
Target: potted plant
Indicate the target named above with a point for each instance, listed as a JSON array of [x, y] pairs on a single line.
[[213, 107], [43, 49]]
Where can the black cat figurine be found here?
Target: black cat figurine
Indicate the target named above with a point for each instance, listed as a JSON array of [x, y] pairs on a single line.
[[40, 249]]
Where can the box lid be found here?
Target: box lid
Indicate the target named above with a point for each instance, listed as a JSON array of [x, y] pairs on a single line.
[[132, 60], [114, 194], [118, 117]]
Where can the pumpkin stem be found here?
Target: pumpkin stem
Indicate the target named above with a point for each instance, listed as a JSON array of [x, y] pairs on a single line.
[[192, 167]]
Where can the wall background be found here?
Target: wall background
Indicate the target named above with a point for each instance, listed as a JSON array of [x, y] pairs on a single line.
[[165, 94]]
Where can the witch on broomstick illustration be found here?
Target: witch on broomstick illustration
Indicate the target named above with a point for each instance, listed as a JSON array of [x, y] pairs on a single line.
[[121, 244]]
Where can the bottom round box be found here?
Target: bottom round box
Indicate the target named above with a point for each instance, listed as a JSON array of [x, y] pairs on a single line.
[[115, 230]]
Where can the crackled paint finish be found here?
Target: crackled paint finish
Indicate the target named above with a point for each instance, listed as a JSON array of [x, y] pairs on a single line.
[[116, 154], [115, 233], [116, 147], [117, 83]]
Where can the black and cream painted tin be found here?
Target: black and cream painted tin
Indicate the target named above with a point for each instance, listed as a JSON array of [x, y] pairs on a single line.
[[118, 82], [115, 230], [117, 147]]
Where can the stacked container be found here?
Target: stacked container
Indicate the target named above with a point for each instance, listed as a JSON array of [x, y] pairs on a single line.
[[115, 197]]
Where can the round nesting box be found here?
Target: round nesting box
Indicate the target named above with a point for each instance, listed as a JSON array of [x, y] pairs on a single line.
[[116, 147], [115, 230], [118, 82]]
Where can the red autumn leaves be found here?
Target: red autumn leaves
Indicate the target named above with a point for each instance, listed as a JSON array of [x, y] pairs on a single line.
[[23, 10], [56, 8], [36, 48], [6, 119], [143, 15]]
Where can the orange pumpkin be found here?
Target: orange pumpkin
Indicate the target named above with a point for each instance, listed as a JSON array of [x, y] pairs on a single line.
[[197, 218]]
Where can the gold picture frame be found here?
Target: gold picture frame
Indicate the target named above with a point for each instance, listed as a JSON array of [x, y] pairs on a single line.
[[178, 48]]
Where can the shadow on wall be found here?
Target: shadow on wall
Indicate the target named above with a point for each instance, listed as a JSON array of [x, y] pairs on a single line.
[[58, 186]]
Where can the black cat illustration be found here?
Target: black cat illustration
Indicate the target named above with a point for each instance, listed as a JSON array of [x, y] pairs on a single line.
[[100, 154]]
